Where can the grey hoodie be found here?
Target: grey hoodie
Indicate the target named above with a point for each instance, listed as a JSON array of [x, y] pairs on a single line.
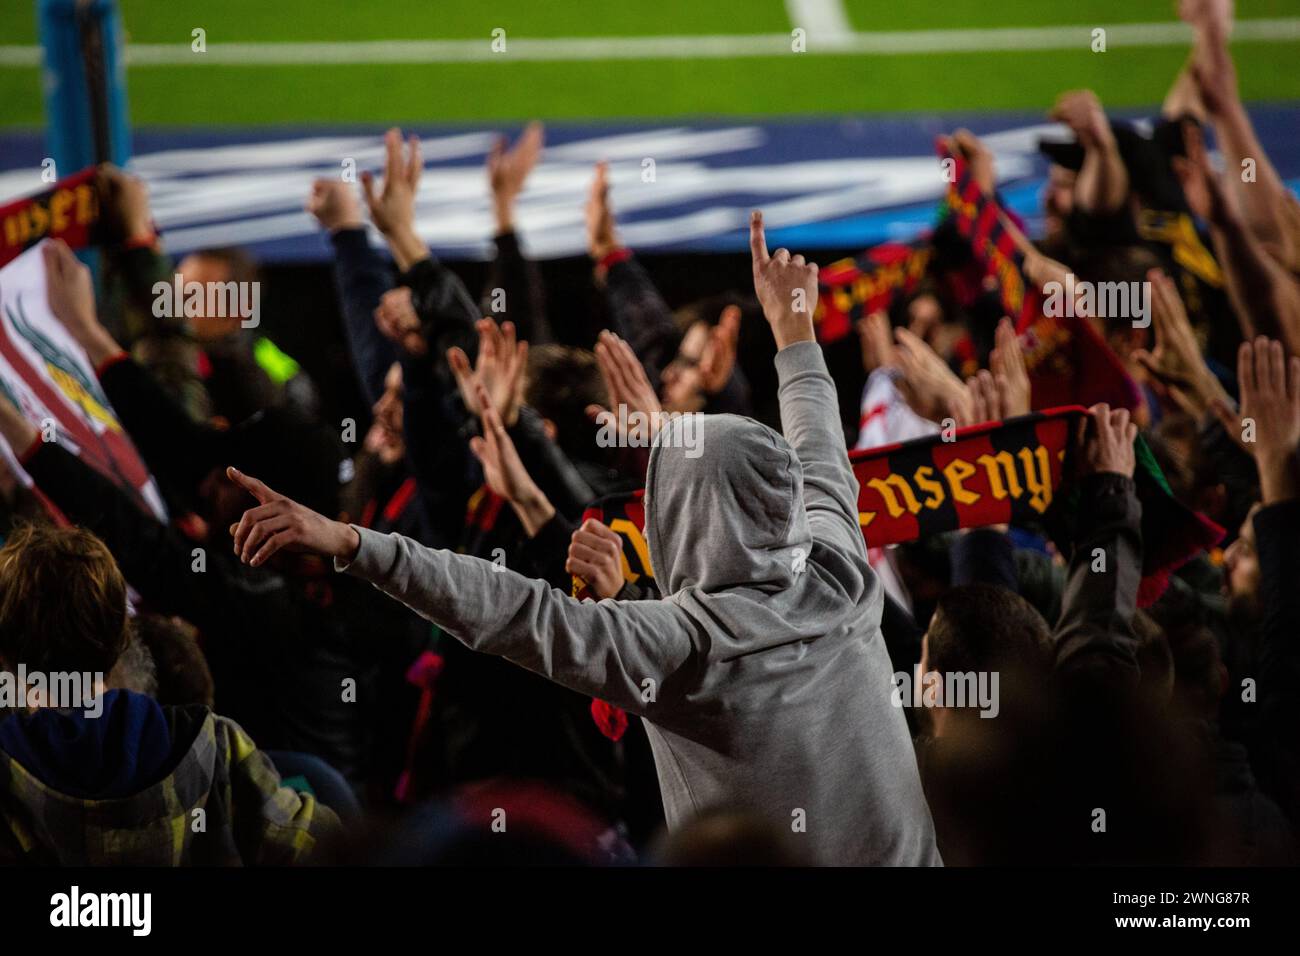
[[762, 677]]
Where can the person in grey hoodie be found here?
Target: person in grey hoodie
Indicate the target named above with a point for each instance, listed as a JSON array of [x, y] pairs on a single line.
[[762, 676]]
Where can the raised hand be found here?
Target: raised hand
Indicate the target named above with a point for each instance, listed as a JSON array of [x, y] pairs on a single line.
[[1010, 374], [1106, 442], [397, 321], [508, 169], [1103, 184], [932, 388], [626, 384], [596, 556], [1081, 111], [875, 339], [279, 523], [1176, 366], [70, 292], [504, 471], [786, 287], [978, 157], [126, 201], [499, 369], [392, 205], [334, 204], [602, 237], [1213, 17], [985, 399], [1268, 425], [719, 356]]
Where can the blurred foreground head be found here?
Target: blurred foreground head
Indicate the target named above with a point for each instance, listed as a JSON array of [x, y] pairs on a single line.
[[730, 837], [220, 266], [62, 601], [496, 823], [978, 632]]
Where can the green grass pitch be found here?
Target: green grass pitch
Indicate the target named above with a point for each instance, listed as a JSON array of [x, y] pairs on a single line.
[[751, 86]]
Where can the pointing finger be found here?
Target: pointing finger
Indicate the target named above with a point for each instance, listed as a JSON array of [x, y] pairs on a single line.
[[757, 240], [250, 484]]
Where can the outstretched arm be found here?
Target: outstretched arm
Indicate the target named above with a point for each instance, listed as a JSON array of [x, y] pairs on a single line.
[[1213, 76], [787, 289], [637, 311], [1103, 185], [512, 276], [1270, 399], [361, 277], [1265, 296], [607, 650], [439, 297]]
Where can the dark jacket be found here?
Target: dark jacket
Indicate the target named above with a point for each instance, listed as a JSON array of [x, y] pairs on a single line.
[[1225, 815], [514, 291], [1275, 746], [361, 277]]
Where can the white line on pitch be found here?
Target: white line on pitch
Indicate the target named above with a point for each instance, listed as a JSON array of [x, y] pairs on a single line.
[[825, 21], [561, 49]]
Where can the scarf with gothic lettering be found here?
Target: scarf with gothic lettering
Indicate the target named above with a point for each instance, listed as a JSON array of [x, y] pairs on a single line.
[[68, 210], [994, 473], [1011, 472], [1068, 361]]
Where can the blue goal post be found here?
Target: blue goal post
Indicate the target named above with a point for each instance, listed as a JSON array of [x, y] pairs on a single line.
[[83, 76]]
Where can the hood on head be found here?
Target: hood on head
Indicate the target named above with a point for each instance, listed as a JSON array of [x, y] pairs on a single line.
[[724, 506]]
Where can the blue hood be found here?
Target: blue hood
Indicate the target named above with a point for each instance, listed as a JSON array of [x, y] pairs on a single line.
[[122, 752]]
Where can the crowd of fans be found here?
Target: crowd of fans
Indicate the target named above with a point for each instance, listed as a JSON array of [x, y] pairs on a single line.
[[334, 653]]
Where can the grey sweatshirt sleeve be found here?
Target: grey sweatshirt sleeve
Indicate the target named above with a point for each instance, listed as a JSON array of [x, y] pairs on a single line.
[[811, 424], [606, 649]]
